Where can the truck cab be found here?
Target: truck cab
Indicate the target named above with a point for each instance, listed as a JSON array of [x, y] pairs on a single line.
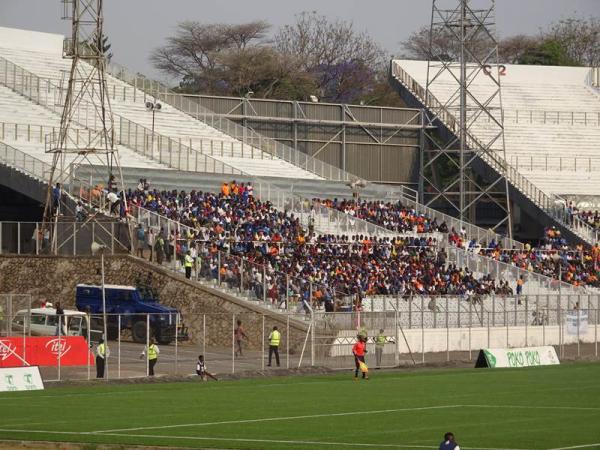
[[133, 307]]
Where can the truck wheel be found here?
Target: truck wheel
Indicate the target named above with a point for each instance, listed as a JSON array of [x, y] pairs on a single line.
[[138, 332], [163, 341]]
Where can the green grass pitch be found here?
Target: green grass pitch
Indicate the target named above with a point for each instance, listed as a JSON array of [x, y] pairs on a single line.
[[534, 408]]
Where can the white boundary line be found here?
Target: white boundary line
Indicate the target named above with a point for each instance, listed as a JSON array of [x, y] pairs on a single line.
[[275, 419], [578, 446], [352, 413], [227, 439], [576, 408]]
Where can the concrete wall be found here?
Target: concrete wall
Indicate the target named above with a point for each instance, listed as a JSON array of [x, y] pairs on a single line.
[[54, 278], [462, 339]]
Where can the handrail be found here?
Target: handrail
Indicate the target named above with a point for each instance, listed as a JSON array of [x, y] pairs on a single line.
[[45, 93], [546, 161], [551, 205], [244, 134], [159, 222], [550, 117]]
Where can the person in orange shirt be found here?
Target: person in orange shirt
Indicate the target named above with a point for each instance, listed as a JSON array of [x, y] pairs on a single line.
[[225, 190], [359, 349]]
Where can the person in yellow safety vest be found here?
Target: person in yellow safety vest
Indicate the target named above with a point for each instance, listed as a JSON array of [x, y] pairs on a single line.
[[274, 340], [188, 263], [102, 352], [153, 352], [379, 344]]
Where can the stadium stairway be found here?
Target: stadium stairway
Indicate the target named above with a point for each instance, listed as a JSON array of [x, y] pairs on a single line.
[[528, 169]]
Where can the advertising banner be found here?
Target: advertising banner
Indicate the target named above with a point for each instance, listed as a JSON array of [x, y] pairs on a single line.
[[20, 379], [517, 357], [577, 322], [44, 351]]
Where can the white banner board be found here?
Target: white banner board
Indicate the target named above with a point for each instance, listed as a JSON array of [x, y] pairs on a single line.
[[577, 322], [20, 379], [520, 357]]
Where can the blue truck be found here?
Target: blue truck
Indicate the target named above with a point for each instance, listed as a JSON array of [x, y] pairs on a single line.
[[133, 305]]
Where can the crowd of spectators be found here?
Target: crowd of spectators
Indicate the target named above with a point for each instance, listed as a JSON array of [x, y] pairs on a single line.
[[554, 257], [283, 258], [391, 215]]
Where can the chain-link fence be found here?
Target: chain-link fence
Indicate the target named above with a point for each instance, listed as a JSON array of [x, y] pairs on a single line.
[[70, 347]]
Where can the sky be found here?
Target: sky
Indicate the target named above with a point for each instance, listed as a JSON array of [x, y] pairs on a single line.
[[136, 27]]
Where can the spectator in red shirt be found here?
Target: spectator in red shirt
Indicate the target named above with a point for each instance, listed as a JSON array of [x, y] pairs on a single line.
[[358, 350]]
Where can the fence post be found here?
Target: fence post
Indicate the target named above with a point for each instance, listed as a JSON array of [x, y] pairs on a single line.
[[312, 338], [262, 346], [118, 346], [89, 333], [471, 324], [448, 330], [147, 344], [59, 344], [233, 343], [204, 335], [423, 333], [287, 342], [397, 335], [176, 343], [526, 320], [578, 321]]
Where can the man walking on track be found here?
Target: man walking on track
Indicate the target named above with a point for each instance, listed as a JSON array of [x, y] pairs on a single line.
[[239, 334], [102, 352], [274, 339], [358, 350], [153, 352], [379, 345]]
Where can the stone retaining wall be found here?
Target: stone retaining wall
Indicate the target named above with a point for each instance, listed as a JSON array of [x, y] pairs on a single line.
[[54, 278]]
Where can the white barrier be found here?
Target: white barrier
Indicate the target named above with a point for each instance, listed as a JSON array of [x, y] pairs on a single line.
[[20, 379]]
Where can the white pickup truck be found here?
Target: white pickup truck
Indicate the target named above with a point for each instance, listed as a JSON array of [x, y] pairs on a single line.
[[43, 322]]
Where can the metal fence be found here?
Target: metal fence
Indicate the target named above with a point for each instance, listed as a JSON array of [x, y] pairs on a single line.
[[322, 339]]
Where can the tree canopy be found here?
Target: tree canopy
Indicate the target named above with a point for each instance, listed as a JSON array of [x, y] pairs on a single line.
[[336, 62]]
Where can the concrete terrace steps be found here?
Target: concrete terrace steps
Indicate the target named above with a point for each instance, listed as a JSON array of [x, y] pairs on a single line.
[[168, 121]]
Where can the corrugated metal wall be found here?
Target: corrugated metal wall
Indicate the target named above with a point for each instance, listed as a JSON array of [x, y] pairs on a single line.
[[374, 143]]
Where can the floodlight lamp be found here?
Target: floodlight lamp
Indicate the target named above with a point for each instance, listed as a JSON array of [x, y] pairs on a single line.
[[314, 99]]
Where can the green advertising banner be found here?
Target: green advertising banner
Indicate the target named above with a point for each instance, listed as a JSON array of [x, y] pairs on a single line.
[[517, 357]]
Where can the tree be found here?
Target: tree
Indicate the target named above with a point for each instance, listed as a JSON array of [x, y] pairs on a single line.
[[445, 45], [580, 39], [512, 48], [340, 58], [549, 52], [197, 54]]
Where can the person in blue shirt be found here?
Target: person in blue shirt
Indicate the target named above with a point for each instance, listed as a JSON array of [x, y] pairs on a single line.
[[449, 443]]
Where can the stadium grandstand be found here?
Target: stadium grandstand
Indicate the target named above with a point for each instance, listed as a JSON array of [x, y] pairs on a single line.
[[386, 222], [152, 235]]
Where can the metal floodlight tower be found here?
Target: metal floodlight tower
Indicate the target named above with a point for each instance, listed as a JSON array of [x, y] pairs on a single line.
[[87, 133], [463, 97]]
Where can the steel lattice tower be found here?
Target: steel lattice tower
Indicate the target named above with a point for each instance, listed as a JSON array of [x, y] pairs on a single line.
[[87, 134], [463, 92]]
